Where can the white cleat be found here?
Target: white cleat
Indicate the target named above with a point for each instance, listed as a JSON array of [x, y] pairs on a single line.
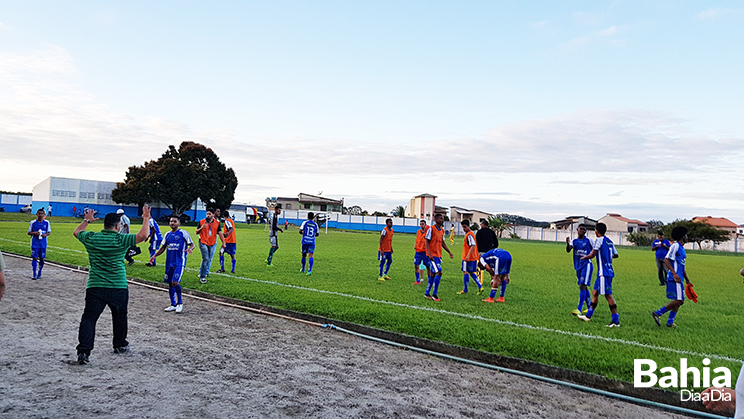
[[583, 317], [171, 308], [179, 308]]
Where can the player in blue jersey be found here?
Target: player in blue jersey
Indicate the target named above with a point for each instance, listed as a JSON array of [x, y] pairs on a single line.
[[661, 247], [39, 230], [309, 230], [581, 247], [497, 262], [605, 251], [675, 263], [178, 245], [155, 239]]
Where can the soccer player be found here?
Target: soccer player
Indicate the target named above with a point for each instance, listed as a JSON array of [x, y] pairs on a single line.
[[452, 234], [273, 239], [155, 239], [39, 230], [581, 247], [309, 230], [434, 244], [486, 240], [675, 263], [605, 251], [497, 262], [661, 246], [178, 245], [420, 257], [469, 258], [385, 249], [208, 230], [230, 245], [124, 226]]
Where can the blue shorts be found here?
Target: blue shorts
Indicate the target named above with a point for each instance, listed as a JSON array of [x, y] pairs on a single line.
[[38, 253], [173, 274], [384, 256], [675, 290], [308, 248], [469, 266], [436, 265], [155, 245], [603, 284], [230, 248], [584, 275], [420, 257]]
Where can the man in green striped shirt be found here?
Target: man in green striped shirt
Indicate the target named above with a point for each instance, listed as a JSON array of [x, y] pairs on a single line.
[[107, 278]]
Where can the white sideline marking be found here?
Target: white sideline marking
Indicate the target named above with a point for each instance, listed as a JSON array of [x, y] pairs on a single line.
[[468, 316]]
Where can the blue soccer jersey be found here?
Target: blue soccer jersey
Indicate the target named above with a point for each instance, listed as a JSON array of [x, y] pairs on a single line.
[[177, 242], [581, 248], [499, 259], [677, 257], [38, 242], [155, 230], [309, 230], [605, 251], [661, 252]]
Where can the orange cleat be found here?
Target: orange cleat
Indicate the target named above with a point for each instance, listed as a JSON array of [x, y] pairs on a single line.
[[500, 300], [489, 300]]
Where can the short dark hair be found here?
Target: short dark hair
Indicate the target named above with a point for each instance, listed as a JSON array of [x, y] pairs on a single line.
[[278, 206], [466, 223], [226, 213], [602, 228], [484, 221], [40, 209], [389, 219], [678, 233], [111, 220], [582, 225], [310, 215], [438, 215], [210, 210], [660, 233]]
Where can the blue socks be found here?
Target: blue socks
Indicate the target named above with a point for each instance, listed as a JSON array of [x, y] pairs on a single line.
[[233, 265], [175, 291], [152, 253], [503, 288], [662, 311], [465, 280], [303, 264], [616, 318], [387, 267], [493, 293], [429, 284], [222, 262], [418, 276], [382, 263], [582, 299], [310, 266], [437, 279], [672, 315], [590, 313], [34, 264]]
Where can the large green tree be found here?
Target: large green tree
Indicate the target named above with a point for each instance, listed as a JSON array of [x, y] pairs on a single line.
[[178, 178], [698, 232]]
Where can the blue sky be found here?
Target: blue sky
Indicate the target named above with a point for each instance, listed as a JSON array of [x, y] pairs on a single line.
[[543, 109]]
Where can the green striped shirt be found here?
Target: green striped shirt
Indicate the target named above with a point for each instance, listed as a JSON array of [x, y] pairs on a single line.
[[106, 250]]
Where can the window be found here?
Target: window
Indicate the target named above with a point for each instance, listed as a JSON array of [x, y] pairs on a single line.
[[102, 195], [64, 194], [306, 206], [323, 207], [289, 206], [87, 195]]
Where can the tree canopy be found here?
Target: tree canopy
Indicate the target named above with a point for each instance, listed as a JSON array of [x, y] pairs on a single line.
[[498, 224], [698, 232], [178, 178]]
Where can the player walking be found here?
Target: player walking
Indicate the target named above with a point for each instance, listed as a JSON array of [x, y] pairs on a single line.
[[581, 247], [434, 244], [273, 239], [420, 256], [497, 262], [385, 249], [39, 229], [155, 239], [469, 258], [605, 251], [309, 230], [231, 243], [178, 245], [208, 231], [675, 262]]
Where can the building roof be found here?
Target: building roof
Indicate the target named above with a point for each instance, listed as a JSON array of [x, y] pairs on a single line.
[[303, 197], [425, 195], [716, 221], [627, 220]]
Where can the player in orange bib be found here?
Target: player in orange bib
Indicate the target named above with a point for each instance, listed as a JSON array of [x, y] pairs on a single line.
[[385, 249], [420, 256], [434, 244], [469, 258], [231, 243]]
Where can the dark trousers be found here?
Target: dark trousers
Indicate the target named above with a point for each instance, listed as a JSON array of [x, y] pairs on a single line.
[[662, 270], [96, 299]]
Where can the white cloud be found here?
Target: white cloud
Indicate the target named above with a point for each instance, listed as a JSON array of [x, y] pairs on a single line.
[[717, 13]]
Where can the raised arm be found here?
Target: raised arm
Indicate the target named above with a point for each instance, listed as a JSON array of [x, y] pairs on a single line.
[[87, 219], [144, 232]]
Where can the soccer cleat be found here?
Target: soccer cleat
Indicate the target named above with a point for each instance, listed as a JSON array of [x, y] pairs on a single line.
[[489, 300], [148, 264], [613, 324], [461, 292], [480, 290], [203, 280], [179, 308], [387, 278], [33, 277], [435, 298], [83, 358], [130, 263], [170, 308], [121, 349], [269, 265], [417, 283], [221, 271], [656, 318], [576, 312], [584, 311], [302, 271], [583, 317], [500, 300], [232, 272], [381, 279], [427, 296], [38, 276], [309, 273], [672, 325]]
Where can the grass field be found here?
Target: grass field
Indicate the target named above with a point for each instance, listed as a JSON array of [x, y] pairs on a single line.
[[535, 322]]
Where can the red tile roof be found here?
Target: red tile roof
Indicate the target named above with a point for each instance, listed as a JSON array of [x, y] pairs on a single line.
[[716, 221], [627, 220]]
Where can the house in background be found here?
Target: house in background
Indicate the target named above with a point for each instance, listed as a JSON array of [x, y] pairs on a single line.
[[422, 206], [616, 222], [719, 222], [457, 214], [307, 202], [572, 223]]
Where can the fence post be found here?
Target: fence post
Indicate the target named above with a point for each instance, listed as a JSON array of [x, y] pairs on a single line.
[[542, 232]]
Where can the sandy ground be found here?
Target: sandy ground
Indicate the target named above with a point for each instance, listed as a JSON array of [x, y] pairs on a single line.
[[214, 362]]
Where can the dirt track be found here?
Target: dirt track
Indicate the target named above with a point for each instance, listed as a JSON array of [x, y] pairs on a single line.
[[215, 362]]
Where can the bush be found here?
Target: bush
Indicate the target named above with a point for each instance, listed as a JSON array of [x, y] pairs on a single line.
[[514, 236], [641, 239]]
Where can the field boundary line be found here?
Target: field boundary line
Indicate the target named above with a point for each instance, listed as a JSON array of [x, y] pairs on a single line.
[[470, 316]]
